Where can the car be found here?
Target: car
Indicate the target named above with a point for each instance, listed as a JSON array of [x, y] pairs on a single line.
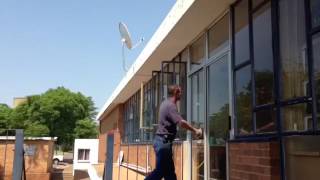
[[57, 159]]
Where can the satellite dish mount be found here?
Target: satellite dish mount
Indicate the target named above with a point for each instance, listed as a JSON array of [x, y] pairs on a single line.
[[126, 40]]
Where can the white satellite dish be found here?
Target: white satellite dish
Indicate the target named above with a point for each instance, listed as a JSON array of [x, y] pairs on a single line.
[[126, 40], [125, 35]]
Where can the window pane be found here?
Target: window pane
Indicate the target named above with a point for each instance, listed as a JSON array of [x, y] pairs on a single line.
[[218, 116], [263, 55], [87, 154], [266, 120], [197, 51], [80, 154], [243, 100], [218, 101], [197, 100], [219, 35], [302, 157], [241, 30], [316, 59], [197, 120], [315, 12], [297, 117], [293, 49]]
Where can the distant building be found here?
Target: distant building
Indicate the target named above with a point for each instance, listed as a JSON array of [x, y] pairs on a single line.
[[18, 101], [85, 155]]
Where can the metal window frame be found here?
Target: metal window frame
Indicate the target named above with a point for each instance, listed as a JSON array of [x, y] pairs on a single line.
[[280, 134]]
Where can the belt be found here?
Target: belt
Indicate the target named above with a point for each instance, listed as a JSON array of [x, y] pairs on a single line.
[[166, 137]]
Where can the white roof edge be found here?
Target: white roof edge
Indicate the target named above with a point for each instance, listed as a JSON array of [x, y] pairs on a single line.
[[175, 14], [28, 138]]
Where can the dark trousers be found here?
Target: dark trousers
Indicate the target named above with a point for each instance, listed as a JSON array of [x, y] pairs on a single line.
[[164, 162]]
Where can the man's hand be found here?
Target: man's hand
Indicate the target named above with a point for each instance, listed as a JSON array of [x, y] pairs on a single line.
[[198, 133]]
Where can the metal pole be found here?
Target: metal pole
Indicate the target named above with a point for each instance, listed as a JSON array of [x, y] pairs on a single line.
[[18, 156]]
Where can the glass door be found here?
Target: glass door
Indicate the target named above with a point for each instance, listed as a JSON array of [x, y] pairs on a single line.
[[217, 116], [197, 120]]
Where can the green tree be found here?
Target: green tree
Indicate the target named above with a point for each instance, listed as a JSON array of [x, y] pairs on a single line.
[[36, 130], [86, 128], [5, 113], [53, 113]]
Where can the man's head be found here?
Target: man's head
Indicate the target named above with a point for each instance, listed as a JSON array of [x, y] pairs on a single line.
[[174, 91]]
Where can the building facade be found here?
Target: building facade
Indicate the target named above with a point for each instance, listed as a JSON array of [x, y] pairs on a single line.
[[249, 70]]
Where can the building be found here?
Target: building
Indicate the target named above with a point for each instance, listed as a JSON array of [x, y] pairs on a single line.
[[18, 101], [85, 154], [250, 72], [38, 154]]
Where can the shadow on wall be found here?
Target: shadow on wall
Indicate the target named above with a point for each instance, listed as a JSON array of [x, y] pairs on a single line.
[[1, 171], [41, 154], [81, 175]]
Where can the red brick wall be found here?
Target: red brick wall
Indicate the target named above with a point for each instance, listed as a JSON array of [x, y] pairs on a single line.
[[254, 161]]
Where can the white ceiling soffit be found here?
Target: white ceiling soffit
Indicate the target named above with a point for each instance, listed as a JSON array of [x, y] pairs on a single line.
[[185, 21]]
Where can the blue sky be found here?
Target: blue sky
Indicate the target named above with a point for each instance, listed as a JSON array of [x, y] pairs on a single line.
[[70, 43]]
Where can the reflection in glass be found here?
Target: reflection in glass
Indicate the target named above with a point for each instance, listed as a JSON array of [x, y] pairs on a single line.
[[197, 120], [293, 49], [302, 157], [297, 117], [243, 100], [197, 52], [262, 46], [197, 100], [316, 60], [218, 116], [315, 13], [266, 120], [241, 30], [219, 35]]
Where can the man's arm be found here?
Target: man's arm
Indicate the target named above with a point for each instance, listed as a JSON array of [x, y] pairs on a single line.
[[184, 124]]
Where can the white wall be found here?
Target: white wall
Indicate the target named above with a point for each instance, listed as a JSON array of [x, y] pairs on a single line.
[[93, 145]]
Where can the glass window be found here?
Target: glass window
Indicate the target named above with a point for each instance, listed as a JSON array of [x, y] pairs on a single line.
[[219, 35], [197, 120], [297, 117], [241, 30], [218, 101], [218, 116], [243, 100], [197, 52], [316, 60], [294, 70], [302, 157], [265, 120], [315, 13], [83, 154], [263, 55], [197, 100]]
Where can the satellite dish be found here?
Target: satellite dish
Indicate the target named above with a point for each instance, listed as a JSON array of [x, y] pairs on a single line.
[[126, 40], [125, 35]]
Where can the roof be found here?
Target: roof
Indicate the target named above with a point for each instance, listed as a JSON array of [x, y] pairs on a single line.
[[29, 138]]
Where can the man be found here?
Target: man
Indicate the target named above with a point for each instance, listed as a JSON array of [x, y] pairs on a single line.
[[169, 118]]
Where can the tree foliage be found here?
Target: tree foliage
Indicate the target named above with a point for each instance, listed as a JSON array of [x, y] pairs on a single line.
[[54, 113], [86, 128]]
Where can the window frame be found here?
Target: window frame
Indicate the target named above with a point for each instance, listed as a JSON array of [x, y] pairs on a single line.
[[279, 103]]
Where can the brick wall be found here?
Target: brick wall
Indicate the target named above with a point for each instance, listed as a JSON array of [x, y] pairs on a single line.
[[254, 161], [39, 165]]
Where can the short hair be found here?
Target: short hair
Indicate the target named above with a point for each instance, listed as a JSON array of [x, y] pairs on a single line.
[[172, 89]]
